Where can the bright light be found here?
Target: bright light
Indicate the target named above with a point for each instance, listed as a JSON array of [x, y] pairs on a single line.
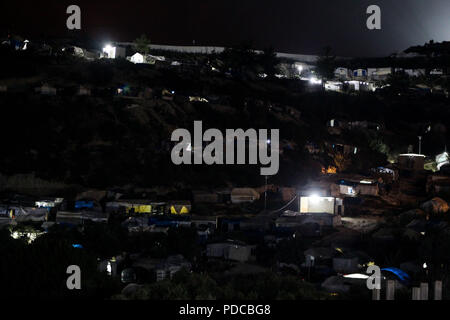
[[314, 80], [110, 51], [356, 276], [425, 265], [412, 155], [109, 268], [314, 198]]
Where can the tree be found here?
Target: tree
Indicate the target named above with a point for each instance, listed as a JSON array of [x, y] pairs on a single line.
[[241, 61], [326, 64], [399, 81], [341, 161], [269, 62], [141, 44]]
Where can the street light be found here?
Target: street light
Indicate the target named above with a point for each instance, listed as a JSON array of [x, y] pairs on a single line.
[[420, 144], [265, 194]]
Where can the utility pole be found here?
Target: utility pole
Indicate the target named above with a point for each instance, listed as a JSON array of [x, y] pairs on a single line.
[[420, 144], [266, 177], [265, 194]]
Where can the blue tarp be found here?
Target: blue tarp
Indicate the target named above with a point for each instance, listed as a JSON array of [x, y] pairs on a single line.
[[402, 275], [84, 204]]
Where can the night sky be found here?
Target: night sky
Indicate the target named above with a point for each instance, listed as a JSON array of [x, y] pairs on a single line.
[[295, 26]]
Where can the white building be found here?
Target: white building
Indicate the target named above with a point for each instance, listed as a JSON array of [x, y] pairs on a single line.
[[333, 86], [379, 73], [356, 85], [112, 52], [318, 204], [342, 73]]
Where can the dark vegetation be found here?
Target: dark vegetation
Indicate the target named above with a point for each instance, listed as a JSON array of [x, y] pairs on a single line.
[[98, 141]]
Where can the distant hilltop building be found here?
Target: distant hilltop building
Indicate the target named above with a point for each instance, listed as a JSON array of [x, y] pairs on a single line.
[[212, 49]]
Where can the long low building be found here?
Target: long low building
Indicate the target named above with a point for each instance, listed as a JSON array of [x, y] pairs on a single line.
[[297, 220], [215, 49], [231, 250], [76, 218]]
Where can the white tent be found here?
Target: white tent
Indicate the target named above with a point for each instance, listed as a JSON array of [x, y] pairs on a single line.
[[137, 58]]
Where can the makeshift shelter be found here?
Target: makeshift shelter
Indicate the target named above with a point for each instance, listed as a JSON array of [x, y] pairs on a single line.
[[442, 160], [411, 161], [76, 218], [435, 206], [22, 214], [400, 274], [318, 204], [347, 188], [367, 189], [243, 195], [231, 250], [139, 206], [179, 207], [210, 221]]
